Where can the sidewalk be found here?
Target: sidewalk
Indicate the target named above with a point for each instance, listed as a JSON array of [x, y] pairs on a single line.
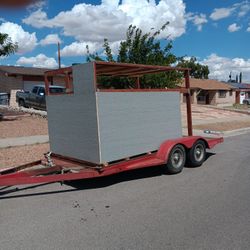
[[21, 141]]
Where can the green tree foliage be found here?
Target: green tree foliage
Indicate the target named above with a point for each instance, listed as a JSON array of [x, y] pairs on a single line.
[[197, 70], [7, 47], [141, 48]]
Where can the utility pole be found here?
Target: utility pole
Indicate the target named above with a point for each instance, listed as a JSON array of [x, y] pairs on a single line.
[[59, 55]]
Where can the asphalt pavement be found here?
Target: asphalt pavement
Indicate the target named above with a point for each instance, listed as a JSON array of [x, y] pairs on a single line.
[[201, 208]]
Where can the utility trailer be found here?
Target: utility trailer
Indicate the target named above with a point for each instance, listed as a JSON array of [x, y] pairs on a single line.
[[97, 131]]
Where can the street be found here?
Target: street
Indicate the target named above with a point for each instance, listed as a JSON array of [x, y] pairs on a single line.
[[202, 208]]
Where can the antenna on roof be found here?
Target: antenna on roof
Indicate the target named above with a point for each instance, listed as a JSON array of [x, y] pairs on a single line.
[[59, 55], [230, 76], [240, 80]]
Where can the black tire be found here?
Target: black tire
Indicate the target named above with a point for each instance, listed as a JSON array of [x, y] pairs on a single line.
[[176, 160], [197, 154], [21, 103], [246, 102]]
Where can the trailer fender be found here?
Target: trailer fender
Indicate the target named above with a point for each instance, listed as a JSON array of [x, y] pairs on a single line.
[[187, 142]]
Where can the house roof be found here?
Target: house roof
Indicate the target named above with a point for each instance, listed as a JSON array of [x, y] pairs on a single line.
[[208, 84], [240, 85], [16, 70]]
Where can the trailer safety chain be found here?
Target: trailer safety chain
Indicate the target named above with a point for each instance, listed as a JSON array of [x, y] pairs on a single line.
[[49, 160]]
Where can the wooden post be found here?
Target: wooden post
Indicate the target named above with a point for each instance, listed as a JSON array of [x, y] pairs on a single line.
[[138, 82], [188, 103]]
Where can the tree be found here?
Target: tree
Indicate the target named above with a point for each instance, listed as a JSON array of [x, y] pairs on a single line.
[[197, 70], [141, 48], [7, 47]]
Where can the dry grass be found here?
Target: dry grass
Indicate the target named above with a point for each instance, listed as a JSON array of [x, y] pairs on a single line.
[[15, 156]]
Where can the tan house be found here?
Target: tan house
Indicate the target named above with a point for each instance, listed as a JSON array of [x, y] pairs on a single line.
[[211, 92]]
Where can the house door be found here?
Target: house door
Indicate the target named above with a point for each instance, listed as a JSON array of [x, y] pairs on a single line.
[[207, 99]]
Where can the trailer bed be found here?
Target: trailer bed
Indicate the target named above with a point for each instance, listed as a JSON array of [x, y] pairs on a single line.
[[60, 168]]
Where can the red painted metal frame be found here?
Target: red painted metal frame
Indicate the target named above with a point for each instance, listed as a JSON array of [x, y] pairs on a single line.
[[63, 167], [66, 169]]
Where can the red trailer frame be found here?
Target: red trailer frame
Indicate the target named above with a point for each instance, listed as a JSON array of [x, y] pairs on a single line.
[[57, 168]]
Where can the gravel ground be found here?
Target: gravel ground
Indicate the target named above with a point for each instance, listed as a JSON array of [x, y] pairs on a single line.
[[15, 156], [18, 126]]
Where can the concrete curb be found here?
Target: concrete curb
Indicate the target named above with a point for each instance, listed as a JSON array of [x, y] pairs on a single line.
[[22, 141]]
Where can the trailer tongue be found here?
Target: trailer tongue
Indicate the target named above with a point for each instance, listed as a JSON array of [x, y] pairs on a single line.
[[89, 145]]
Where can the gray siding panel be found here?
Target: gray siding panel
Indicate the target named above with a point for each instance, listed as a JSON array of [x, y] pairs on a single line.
[[135, 123], [72, 119]]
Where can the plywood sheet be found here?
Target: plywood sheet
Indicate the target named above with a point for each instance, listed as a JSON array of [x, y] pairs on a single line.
[[136, 122]]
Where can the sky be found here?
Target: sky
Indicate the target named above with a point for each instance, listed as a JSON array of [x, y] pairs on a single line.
[[216, 32]]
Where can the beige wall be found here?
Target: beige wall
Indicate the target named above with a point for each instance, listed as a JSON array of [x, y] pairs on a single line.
[[9, 83], [228, 100]]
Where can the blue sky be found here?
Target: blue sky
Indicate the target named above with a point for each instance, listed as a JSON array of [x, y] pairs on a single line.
[[216, 32]]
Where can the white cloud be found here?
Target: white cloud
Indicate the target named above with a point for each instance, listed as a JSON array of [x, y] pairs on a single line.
[[233, 27], [79, 48], [40, 61], [50, 39], [248, 29], [36, 4], [38, 19], [220, 67], [238, 9], [244, 8], [221, 13], [26, 41], [110, 19], [198, 20]]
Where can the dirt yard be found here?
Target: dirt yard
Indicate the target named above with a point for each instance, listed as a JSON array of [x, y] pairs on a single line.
[[23, 125], [15, 156], [223, 126]]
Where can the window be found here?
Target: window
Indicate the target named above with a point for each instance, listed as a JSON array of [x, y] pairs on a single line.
[[41, 91], [55, 90], [222, 93], [230, 92], [34, 90]]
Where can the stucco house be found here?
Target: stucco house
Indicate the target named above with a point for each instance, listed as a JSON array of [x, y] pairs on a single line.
[[242, 91], [211, 92]]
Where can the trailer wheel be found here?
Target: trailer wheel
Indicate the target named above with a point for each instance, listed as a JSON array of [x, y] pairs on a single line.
[[197, 154], [176, 160]]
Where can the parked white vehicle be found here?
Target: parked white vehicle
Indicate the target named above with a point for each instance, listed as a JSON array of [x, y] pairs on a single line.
[[242, 97], [246, 101]]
